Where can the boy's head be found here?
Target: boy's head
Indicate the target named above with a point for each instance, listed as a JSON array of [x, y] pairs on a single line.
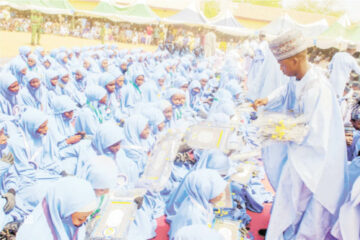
[[290, 51]]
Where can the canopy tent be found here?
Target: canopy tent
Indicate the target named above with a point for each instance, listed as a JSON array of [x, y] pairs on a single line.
[[353, 34], [139, 13], [337, 34], [285, 23], [226, 23], [105, 8], [190, 15], [44, 6]]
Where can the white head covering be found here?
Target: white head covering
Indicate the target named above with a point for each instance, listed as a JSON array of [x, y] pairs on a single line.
[[288, 44]]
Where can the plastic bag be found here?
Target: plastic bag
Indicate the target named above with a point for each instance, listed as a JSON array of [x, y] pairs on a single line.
[[281, 127]]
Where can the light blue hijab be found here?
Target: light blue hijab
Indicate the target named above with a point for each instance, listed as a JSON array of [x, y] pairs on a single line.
[[62, 104], [8, 99], [107, 135], [33, 97], [60, 202], [16, 67], [201, 186], [135, 147]]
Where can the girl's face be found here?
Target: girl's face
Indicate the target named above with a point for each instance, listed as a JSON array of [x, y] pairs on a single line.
[[104, 64], [184, 87], [78, 218], [216, 199], [86, 65], [54, 81], [139, 80], [65, 78], [78, 76], [114, 148], [168, 113], [69, 115], [31, 62], [196, 90], [161, 82], [120, 81], [3, 137], [65, 59], [35, 83], [203, 82], [23, 71], [103, 100], [123, 66], [161, 126], [43, 129], [14, 87], [47, 64], [145, 133], [176, 99], [110, 87]]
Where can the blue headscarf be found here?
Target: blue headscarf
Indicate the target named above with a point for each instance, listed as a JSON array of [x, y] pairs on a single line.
[[16, 67], [155, 117], [101, 172], [80, 84], [62, 104], [23, 51], [36, 93], [135, 147], [50, 74], [6, 80], [107, 135], [30, 121], [61, 201], [94, 94], [201, 186]]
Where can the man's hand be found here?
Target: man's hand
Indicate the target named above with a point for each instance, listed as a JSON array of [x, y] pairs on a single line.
[[74, 139], [10, 200], [260, 102]]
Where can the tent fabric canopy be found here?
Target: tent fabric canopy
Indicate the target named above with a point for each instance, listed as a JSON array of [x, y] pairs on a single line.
[[285, 23], [139, 13], [190, 15], [44, 6]]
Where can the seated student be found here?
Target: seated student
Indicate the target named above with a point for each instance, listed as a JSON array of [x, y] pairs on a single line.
[[33, 94], [166, 108], [18, 69], [67, 86], [62, 213], [351, 141], [196, 232], [177, 99], [9, 89], [136, 147], [204, 188], [132, 94], [51, 84], [94, 113]]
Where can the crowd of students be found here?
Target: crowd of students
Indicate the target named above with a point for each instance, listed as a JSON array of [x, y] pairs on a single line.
[[73, 120]]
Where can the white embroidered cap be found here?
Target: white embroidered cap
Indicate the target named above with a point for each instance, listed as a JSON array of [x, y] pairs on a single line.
[[288, 44]]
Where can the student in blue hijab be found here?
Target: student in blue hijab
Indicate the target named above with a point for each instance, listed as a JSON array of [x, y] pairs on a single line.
[[40, 150], [107, 81], [211, 159], [9, 89], [204, 188], [94, 113], [133, 92], [18, 69], [194, 92], [68, 88], [80, 78], [33, 94], [51, 84], [136, 147], [24, 52], [62, 213], [34, 65], [62, 60]]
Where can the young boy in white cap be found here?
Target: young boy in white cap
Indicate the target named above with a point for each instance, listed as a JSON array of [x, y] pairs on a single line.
[[340, 68], [309, 178]]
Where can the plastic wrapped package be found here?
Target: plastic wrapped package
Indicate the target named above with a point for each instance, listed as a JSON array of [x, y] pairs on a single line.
[[114, 221], [228, 229], [207, 136], [160, 163], [244, 172], [281, 127]]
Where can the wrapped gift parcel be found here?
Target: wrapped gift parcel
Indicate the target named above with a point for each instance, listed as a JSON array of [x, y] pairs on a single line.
[[281, 127]]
